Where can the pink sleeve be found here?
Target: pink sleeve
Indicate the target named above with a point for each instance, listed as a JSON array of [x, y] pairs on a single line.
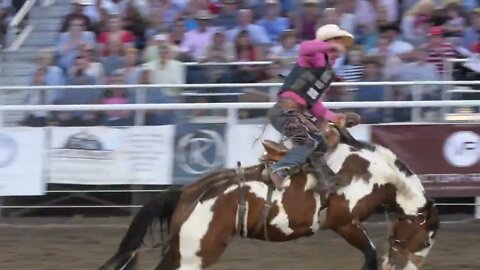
[[312, 47], [320, 111], [312, 53]]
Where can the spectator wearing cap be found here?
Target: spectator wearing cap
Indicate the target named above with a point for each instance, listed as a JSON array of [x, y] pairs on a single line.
[[192, 8], [150, 54], [197, 40], [78, 13], [272, 22], [70, 42], [257, 34], [228, 15], [472, 33], [116, 34], [287, 52], [416, 22], [438, 49]]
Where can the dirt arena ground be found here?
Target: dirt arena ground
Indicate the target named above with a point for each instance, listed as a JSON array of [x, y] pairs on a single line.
[[85, 243]]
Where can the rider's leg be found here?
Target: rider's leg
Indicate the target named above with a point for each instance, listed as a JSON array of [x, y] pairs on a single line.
[[290, 125]]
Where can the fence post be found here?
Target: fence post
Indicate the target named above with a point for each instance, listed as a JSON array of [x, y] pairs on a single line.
[[416, 112], [477, 208]]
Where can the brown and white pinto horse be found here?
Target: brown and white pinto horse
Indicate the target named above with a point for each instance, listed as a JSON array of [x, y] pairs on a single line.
[[202, 217]]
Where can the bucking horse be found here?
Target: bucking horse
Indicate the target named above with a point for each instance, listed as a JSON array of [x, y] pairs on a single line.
[[200, 219]]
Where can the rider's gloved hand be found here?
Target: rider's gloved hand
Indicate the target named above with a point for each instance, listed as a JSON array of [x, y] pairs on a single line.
[[340, 120]]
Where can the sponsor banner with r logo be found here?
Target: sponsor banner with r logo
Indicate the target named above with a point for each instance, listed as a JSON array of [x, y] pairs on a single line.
[[199, 149]]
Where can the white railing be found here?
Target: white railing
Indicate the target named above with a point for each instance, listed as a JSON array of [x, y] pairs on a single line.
[[17, 36]]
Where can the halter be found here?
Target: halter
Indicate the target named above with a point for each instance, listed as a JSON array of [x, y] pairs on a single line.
[[399, 245]]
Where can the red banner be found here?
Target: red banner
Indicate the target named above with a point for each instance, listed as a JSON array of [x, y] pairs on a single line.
[[446, 157]]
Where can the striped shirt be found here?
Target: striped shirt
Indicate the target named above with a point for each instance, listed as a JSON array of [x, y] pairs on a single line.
[[351, 73], [438, 54]]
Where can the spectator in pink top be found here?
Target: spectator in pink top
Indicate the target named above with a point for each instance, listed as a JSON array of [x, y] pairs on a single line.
[[302, 91]]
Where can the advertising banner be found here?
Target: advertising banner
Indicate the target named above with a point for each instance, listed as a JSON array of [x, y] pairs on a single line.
[[22, 161], [447, 157], [199, 149]]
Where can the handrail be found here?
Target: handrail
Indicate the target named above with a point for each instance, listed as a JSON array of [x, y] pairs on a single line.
[[15, 42], [24, 10], [239, 105], [231, 85]]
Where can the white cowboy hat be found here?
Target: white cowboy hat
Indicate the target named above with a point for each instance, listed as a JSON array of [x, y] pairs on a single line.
[[330, 31]]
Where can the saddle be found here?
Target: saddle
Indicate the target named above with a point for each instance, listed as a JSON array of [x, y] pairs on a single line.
[[274, 152]]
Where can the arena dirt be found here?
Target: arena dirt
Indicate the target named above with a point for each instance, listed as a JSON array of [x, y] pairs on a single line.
[[79, 244]]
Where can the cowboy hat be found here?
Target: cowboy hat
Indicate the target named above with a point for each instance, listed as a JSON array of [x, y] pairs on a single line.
[[330, 31]]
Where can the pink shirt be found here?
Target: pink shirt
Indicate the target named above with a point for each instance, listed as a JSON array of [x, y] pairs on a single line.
[[116, 100], [312, 55]]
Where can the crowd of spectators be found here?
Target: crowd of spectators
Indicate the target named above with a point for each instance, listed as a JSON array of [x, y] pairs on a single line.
[[147, 42]]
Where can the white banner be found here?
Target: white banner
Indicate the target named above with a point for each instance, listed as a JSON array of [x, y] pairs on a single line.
[[85, 155], [107, 156], [147, 155], [21, 161], [244, 142]]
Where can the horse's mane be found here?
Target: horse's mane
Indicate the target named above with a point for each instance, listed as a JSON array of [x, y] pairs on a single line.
[[404, 177]]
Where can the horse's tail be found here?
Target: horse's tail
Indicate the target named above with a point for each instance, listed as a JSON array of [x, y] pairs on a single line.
[[160, 208]]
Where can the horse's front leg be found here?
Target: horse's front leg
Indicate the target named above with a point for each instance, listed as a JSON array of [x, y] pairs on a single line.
[[356, 235]]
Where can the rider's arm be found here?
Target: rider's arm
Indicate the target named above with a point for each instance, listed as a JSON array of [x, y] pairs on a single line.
[[310, 53], [320, 111]]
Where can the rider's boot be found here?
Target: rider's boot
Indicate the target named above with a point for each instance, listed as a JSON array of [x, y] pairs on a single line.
[[328, 178], [277, 178]]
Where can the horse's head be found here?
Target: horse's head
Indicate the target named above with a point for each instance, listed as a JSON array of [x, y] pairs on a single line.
[[411, 238]]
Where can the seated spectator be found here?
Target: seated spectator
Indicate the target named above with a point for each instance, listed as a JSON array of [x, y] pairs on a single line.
[[219, 51], [257, 34], [155, 22], [116, 96], [472, 33], [197, 40], [193, 7], [352, 69], [134, 23], [94, 68], [70, 43], [114, 60], [390, 61], [308, 19], [228, 14], [416, 22], [348, 21], [150, 54], [77, 76], [272, 22], [46, 73], [177, 34], [166, 70], [455, 25], [397, 46], [115, 35], [130, 72], [246, 51], [439, 50], [287, 52], [78, 13], [371, 73], [365, 13]]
